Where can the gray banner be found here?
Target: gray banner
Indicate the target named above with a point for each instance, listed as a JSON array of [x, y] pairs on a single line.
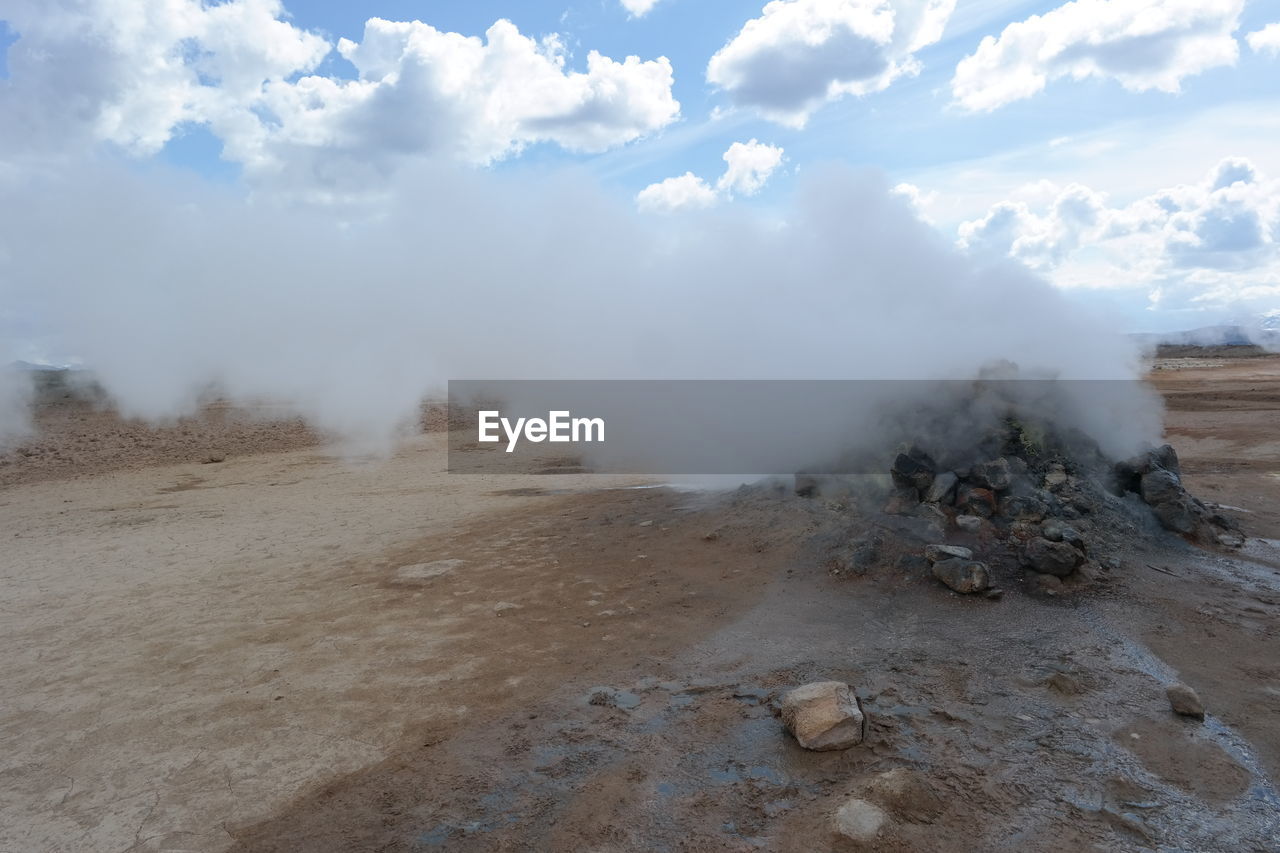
[[693, 427]]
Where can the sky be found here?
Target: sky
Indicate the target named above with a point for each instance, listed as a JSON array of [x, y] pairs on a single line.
[[1128, 151]]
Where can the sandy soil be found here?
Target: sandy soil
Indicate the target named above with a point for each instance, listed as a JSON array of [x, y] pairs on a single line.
[[287, 652]]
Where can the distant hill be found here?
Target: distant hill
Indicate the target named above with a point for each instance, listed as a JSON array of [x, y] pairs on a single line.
[[1263, 334], [41, 368]]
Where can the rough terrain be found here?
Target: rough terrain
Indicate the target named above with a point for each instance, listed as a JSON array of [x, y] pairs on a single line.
[[285, 651]]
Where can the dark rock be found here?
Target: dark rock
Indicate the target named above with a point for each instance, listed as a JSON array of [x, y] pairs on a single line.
[[1051, 558], [1160, 486], [903, 500], [918, 529], [994, 475], [1059, 531], [964, 576], [975, 500], [859, 556], [914, 469], [1166, 457], [1023, 509], [1177, 515]]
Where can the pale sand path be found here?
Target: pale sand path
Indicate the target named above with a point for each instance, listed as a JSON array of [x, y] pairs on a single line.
[[191, 646]]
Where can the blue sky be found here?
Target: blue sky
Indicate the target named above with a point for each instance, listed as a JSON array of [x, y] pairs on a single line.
[[907, 129], [1099, 177]]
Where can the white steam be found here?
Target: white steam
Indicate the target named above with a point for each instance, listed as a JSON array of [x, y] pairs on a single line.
[[163, 285]]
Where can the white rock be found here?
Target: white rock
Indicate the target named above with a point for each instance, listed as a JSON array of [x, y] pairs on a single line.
[[823, 715], [1184, 701], [860, 820], [969, 523], [503, 606], [934, 553], [942, 489]]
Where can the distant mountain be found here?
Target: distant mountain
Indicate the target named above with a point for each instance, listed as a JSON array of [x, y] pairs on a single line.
[[42, 368], [1263, 332]]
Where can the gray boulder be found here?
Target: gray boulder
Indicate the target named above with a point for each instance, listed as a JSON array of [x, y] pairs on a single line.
[[914, 469], [1051, 558], [995, 475], [1056, 530], [943, 488], [963, 576]]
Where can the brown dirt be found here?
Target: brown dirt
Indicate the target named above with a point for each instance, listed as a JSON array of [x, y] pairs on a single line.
[[76, 434], [233, 656]]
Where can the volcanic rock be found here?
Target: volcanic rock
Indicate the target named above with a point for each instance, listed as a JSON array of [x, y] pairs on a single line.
[[1184, 701], [994, 475], [963, 576], [1023, 508], [914, 469], [935, 553], [969, 523], [858, 556], [975, 500], [823, 715], [1159, 486], [1051, 558], [1059, 531], [943, 488]]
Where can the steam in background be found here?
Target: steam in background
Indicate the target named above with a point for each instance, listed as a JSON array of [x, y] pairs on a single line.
[[165, 286]]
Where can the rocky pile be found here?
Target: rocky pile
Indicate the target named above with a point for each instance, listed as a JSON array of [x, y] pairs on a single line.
[[1157, 478], [1023, 500]]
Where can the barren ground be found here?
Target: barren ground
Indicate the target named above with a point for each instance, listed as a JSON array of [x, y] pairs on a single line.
[[286, 651]]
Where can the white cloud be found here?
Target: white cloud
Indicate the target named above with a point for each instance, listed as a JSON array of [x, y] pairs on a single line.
[[1265, 40], [132, 72], [800, 54], [638, 8], [129, 72], [1142, 44], [749, 166], [422, 90], [1213, 242], [687, 192]]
